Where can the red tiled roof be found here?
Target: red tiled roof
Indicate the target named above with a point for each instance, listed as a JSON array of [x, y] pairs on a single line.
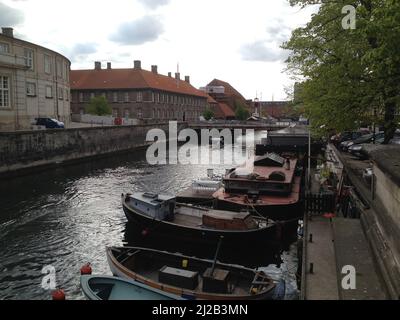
[[211, 100], [229, 90], [129, 79], [222, 110]]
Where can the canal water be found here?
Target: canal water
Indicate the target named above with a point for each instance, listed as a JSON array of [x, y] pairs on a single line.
[[65, 217]]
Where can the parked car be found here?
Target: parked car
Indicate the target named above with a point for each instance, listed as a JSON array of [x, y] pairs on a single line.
[[50, 123], [347, 136], [368, 138], [361, 150]]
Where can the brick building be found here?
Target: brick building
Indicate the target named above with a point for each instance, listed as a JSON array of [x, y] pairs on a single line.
[[226, 99], [275, 109], [137, 93]]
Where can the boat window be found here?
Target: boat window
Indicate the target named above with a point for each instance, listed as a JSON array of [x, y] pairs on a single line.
[[277, 176]]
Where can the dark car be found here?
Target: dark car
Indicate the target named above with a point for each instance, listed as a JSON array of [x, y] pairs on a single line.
[[347, 136], [50, 123], [361, 150], [367, 138]]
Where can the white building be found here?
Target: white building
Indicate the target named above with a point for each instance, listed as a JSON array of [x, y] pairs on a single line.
[[34, 82]]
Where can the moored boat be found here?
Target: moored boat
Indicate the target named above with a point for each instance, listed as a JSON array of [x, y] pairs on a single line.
[[161, 214], [191, 277], [113, 288], [268, 186]]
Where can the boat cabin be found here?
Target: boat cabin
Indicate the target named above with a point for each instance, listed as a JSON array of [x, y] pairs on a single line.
[[158, 206], [268, 174]]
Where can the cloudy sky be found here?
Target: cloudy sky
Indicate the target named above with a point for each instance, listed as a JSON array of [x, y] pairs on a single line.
[[233, 40]]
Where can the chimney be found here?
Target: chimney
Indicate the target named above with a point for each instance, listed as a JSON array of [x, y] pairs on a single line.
[[108, 65], [187, 79], [154, 69], [177, 76], [9, 32], [97, 65], [137, 64], [170, 74]]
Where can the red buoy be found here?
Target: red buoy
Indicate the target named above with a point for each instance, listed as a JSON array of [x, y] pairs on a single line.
[[86, 269], [58, 295]]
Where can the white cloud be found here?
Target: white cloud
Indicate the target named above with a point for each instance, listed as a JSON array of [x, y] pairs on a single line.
[[138, 32], [258, 51], [225, 39], [153, 4], [10, 17]]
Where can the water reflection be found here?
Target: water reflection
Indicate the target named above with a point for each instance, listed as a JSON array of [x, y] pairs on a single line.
[[66, 216]]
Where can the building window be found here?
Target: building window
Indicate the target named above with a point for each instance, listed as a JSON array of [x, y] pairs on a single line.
[[126, 96], [115, 113], [4, 91], [154, 113], [115, 96], [4, 47], [31, 89], [60, 93], [139, 113], [59, 69], [66, 71], [47, 64], [49, 92], [152, 97], [92, 95], [28, 55], [139, 97], [158, 97], [80, 96], [127, 113], [66, 94]]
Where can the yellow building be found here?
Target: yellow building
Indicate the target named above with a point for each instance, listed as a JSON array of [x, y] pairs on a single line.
[[34, 82]]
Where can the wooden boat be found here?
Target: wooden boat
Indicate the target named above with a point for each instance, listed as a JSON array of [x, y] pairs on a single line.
[[190, 277], [197, 225], [268, 185], [113, 288]]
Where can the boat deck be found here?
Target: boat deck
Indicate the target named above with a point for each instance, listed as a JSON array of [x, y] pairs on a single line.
[[187, 220], [235, 289], [262, 199]]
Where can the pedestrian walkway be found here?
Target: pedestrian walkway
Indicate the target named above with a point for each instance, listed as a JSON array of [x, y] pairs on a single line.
[[321, 283]]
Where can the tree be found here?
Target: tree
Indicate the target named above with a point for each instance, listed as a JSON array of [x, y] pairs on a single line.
[[241, 111], [348, 73], [98, 106], [208, 114]]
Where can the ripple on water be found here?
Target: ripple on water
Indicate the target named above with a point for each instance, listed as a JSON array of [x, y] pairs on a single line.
[[66, 218]]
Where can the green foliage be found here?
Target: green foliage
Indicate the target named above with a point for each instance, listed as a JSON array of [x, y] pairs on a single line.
[[98, 106], [241, 111], [208, 114], [348, 74]]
